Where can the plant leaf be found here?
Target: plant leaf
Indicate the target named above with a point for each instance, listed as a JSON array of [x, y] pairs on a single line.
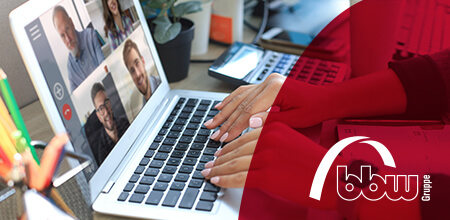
[[165, 7], [157, 4], [149, 11], [187, 8], [165, 30]]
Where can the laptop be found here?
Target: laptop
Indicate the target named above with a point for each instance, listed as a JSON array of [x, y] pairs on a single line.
[[147, 142]]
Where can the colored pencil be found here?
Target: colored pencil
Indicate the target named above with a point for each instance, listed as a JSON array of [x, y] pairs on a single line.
[[4, 158], [6, 144], [15, 112]]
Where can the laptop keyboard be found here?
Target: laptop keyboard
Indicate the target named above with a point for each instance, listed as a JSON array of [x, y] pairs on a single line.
[[169, 174]]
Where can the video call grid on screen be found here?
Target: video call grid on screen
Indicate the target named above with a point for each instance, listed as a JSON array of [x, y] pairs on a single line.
[[75, 105]]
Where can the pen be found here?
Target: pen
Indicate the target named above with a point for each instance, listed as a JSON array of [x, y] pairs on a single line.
[[15, 112]]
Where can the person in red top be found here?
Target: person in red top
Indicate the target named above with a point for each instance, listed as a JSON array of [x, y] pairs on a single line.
[[415, 87]]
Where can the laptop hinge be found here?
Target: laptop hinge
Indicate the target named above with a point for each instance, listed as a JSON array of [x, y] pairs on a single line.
[[108, 186]]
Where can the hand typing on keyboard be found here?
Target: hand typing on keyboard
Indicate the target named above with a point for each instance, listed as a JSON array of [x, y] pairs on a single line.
[[299, 105], [233, 161], [237, 109]]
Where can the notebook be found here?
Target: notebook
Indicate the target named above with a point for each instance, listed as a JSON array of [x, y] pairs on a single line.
[[147, 142]]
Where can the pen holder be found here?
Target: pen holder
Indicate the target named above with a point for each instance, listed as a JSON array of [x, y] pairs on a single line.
[[13, 206]]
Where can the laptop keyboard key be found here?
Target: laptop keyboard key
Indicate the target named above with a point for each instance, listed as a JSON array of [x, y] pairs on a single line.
[[170, 141], [204, 206], [181, 121], [184, 115], [156, 164], [189, 198], [178, 154], [193, 126], [171, 118], [195, 183], [177, 186], [182, 147], [194, 153], [213, 113], [201, 139], [196, 119], [204, 132], [169, 169], [137, 198], [208, 196], [128, 187], [163, 131], [188, 109], [165, 149], [181, 100], [165, 178], [123, 196], [171, 198], [151, 172], [203, 107], [189, 161], [159, 138], [144, 161], [213, 144], [200, 166], [206, 158], [210, 151], [154, 197], [173, 134], [198, 175], [161, 156], [199, 113], [139, 169], [142, 189], [189, 132], [149, 153], [192, 102], [134, 178], [185, 139], [182, 177], [160, 186], [147, 180], [205, 102], [197, 146], [154, 146], [177, 128], [209, 187], [186, 169], [174, 161]]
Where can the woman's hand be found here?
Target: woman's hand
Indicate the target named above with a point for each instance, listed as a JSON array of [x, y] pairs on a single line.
[[238, 108], [233, 161], [297, 104]]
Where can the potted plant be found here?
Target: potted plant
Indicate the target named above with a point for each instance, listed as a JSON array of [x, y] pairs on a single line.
[[172, 34]]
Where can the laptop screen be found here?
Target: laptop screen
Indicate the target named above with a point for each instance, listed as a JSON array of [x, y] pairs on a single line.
[[99, 69]]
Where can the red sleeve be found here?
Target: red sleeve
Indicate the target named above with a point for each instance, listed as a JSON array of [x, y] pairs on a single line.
[[423, 79]]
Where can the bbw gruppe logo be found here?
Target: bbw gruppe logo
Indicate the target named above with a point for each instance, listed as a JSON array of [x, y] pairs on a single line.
[[394, 187]]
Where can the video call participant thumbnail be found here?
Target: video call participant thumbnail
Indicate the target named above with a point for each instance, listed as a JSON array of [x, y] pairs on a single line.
[[85, 50], [135, 64], [113, 128], [117, 26]]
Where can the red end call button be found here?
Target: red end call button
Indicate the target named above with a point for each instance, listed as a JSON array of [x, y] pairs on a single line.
[[67, 112]]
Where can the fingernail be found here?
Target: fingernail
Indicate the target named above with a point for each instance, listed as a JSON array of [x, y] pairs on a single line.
[[217, 153], [209, 164], [210, 121], [216, 134], [215, 180], [255, 122], [224, 137], [218, 104], [206, 172]]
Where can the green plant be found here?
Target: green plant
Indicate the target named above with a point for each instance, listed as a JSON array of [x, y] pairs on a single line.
[[168, 14]]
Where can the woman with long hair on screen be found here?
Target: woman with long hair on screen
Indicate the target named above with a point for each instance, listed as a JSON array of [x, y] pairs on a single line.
[[117, 25]]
